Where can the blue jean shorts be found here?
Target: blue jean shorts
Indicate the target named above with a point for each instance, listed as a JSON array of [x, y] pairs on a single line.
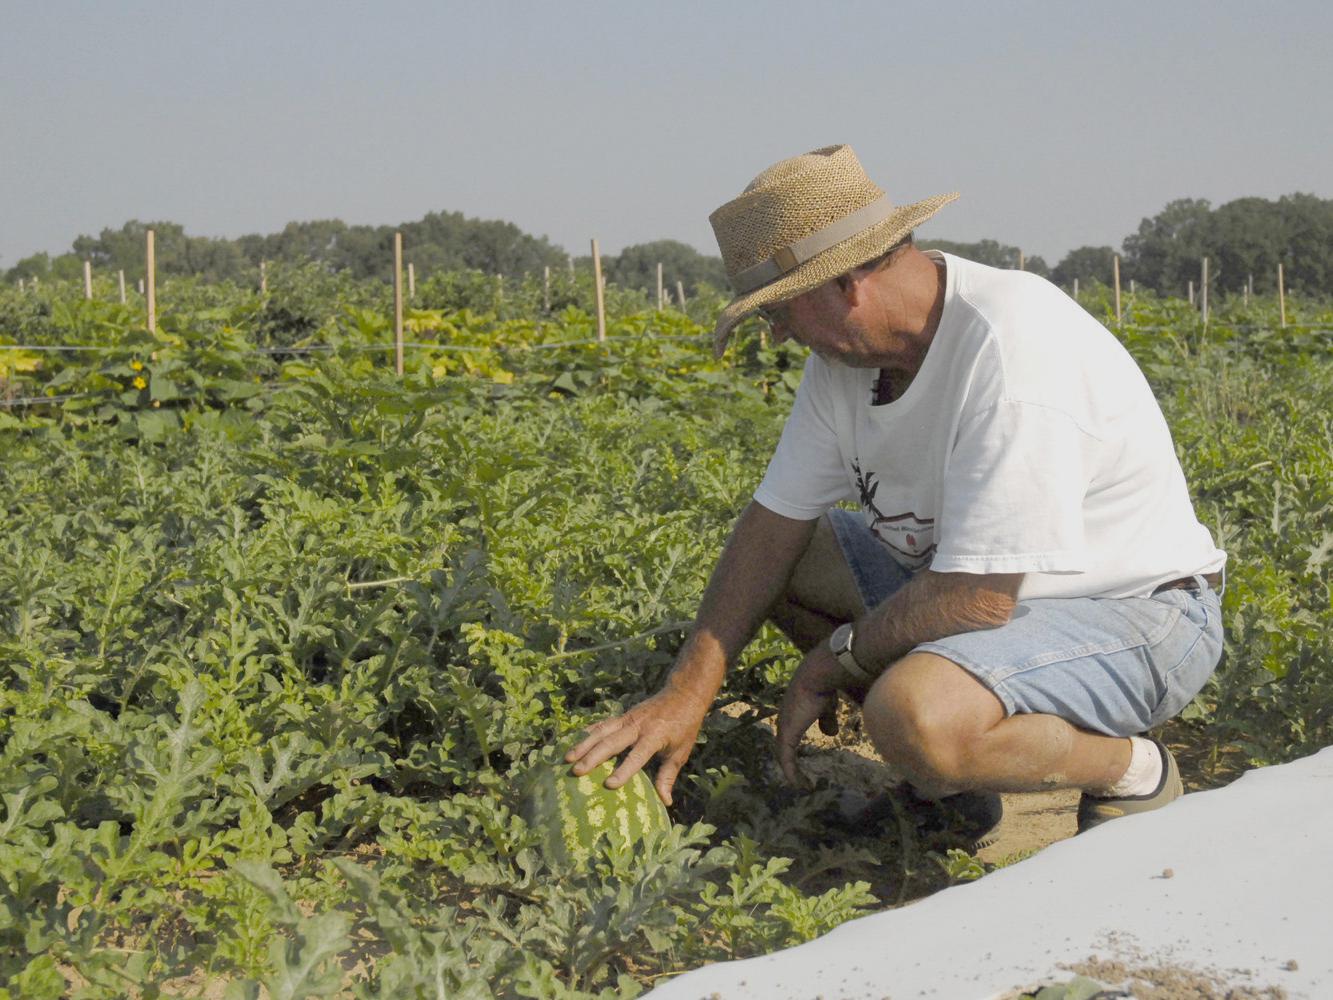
[[1112, 665]]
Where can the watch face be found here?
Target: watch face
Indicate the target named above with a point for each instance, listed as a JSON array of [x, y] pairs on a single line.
[[841, 639]]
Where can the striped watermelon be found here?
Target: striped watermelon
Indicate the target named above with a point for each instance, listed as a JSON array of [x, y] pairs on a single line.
[[573, 812]]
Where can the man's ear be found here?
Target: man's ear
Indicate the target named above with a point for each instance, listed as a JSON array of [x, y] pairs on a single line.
[[852, 285]]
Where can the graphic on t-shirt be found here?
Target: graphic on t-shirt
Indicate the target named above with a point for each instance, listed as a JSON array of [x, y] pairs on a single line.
[[911, 539]]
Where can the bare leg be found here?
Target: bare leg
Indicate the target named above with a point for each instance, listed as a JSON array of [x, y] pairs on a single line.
[[821, 594], [931, 718]]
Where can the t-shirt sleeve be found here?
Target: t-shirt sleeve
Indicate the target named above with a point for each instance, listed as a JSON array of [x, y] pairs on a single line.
[[1013, 495], [805, 476]]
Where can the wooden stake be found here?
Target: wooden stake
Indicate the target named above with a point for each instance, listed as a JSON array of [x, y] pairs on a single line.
[[1131, 288], [263, 277], [1281, 295], [659, 286], [88, 279], [597, 285], [21, 284], [411, 281], [120, 279], [546, 288], [1115, 269], [1191, 291], [1203, 292], [150, 276], [680, 295], [398, 303], [1075, 289], [141, 286], [1021, 261]]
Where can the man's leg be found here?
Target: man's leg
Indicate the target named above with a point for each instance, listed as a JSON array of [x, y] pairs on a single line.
[[821, 595], [931, 718]]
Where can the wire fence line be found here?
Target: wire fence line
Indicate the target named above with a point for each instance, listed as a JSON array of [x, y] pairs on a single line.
[[36, 400]]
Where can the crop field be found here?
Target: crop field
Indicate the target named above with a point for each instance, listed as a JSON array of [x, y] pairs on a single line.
[[280, 632]]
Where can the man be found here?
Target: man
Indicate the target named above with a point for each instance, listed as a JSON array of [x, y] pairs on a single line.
[[1027, 589]]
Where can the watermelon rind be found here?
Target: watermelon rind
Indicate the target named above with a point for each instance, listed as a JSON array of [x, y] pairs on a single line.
[[573, 813]]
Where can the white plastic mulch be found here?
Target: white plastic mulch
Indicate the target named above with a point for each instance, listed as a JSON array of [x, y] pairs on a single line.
[[1235, 883]]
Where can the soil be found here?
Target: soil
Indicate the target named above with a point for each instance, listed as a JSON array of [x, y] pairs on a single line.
[[1125, 970]]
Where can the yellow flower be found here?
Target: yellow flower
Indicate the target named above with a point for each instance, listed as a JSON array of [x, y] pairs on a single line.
[[140, 382], [136, 366]]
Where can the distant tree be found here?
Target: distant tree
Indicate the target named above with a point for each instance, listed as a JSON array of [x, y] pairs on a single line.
[[1308, 224], [67, 267], [1086, 264], [175, 251], [37, 265], [636, 267], [483, 244], [988, 252], [1244, 237], [1166, 252]]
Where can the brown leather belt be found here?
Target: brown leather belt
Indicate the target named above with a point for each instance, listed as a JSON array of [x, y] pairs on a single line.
[[1188, 582]]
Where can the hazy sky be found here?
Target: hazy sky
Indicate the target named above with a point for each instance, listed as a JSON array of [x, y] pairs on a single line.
[[1062, 124]]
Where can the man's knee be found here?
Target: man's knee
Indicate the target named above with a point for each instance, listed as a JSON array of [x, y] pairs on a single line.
[[927, 715]]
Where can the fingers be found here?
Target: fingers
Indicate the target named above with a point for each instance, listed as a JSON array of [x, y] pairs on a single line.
[[666, 777], [604, 741], [828, 719], [642, 753], [794, 718]]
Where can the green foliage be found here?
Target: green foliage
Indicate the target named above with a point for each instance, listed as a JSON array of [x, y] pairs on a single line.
[[279, 631], [1242, 238], [440, 241], [1085, 265], [636, 267]]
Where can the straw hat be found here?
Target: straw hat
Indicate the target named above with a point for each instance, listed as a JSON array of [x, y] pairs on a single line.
[[802, 222]]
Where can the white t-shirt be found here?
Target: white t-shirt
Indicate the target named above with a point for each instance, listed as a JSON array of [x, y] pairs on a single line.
[[1029, 442]]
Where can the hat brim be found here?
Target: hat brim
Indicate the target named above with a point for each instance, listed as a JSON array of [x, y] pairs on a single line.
[[835, 261]]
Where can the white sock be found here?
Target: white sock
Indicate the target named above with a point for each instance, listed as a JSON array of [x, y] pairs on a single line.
[[1142, 775]]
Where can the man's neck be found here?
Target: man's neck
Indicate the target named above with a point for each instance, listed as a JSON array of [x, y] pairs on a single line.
[[914, 290]]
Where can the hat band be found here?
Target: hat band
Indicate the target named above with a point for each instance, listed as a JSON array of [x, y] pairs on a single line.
[[789, 257]]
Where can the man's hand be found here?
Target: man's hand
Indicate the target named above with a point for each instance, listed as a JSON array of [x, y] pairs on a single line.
[[812, 694], [667, 724]]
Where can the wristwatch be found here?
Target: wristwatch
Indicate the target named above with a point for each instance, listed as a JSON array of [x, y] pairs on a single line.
[[840, 642]]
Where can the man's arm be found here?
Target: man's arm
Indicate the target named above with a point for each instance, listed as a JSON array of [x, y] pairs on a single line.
[[751, 573], [931, 606]]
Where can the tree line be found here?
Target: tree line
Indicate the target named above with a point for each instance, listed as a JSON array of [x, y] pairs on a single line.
[[1243, 239]]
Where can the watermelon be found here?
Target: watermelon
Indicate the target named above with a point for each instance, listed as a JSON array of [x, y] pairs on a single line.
[[572, 813]]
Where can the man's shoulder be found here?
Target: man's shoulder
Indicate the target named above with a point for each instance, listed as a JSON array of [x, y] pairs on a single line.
[[998, 289]]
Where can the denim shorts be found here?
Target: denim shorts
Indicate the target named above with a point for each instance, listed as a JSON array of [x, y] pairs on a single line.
[[1113, 665]]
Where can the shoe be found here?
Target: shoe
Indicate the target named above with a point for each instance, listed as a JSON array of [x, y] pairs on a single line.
[[1093, 810], [972, 817]]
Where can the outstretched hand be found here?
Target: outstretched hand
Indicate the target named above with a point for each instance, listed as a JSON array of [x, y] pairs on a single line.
[[665, 725], [812, 694]]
